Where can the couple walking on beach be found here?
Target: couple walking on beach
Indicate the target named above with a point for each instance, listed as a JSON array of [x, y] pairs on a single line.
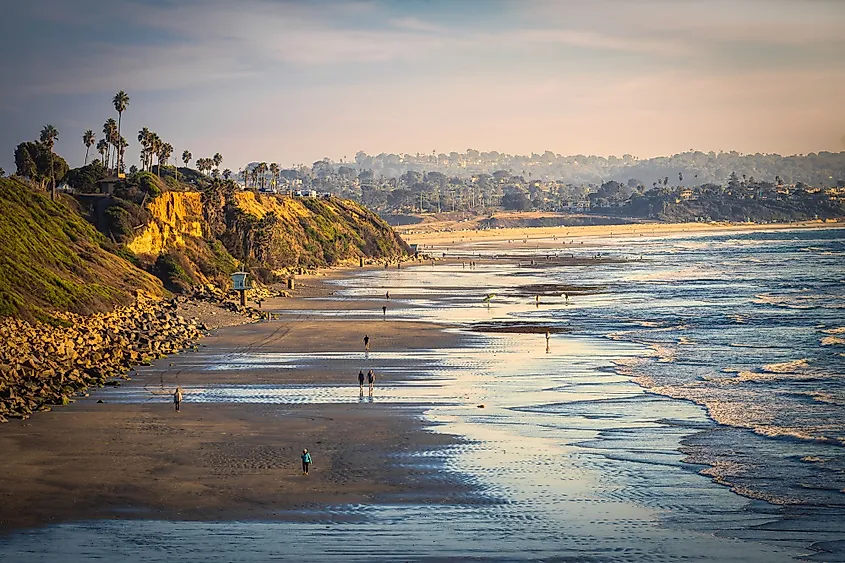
[[371, 380]]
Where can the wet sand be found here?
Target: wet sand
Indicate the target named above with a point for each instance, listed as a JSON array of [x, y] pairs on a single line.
[[477, 445], [102, 460]]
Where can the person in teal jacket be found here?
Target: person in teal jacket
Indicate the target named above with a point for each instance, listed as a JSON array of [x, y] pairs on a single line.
[[306, 461]]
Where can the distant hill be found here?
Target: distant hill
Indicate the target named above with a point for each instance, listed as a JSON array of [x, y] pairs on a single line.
[[51, 258]]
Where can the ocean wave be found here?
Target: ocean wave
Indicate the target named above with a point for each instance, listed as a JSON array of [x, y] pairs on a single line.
[[837, 330], [684, 341], [738, 319], [828, 398], [664, 354], [832, 341], [783, 301], [787, 367], [684, 274]]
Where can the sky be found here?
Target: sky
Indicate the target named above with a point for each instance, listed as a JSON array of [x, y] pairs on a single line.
[[295, 81]]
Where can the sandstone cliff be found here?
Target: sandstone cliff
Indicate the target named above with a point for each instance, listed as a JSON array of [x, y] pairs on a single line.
[[195, 237]]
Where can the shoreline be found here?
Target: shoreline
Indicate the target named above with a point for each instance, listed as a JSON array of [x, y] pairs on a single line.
[[232, 460], [519, 234], [102, 458]]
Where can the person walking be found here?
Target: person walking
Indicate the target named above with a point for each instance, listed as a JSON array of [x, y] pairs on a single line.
[[306, 461], [547, 341], [361, 380], [177, 398], [367, 342], [384, 311], [387, 295], [371, 379]]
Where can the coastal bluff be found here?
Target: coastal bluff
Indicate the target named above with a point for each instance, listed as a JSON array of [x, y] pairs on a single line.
[[194, 237], [87, 282]]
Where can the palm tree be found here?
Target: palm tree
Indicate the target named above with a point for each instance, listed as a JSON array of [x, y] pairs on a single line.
[[186, 157], [155, 149], [274, 174], [49, 134], [123, 144], [120, 101], [144, 138], [88, 139], [263, 169], [102, 147], [217, 159], [227, 173], [165, 150], [110, 134]]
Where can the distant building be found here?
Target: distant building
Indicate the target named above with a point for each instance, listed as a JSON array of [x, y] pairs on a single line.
[[106, 185]]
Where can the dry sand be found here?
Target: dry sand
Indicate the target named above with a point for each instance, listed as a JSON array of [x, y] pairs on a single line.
[[456, 237], [95, 460]]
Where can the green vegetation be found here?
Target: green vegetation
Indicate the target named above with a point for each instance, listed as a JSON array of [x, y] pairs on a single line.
[[53, 259], [37, 162]]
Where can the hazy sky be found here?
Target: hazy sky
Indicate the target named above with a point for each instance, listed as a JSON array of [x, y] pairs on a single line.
[[293, 81]]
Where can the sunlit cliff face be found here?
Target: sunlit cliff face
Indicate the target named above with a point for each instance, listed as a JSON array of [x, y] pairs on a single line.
[[293, 82]]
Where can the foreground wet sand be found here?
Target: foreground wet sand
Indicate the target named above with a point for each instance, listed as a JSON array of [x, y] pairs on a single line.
[[101, 460]]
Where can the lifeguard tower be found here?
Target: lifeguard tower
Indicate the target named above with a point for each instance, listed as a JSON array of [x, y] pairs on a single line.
[[240, 283]]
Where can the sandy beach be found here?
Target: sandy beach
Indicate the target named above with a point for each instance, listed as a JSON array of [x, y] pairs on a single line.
[[454, 235], [94, 460], [483, 438]]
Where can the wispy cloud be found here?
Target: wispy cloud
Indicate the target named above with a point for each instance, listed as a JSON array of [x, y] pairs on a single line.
[[340, 74]]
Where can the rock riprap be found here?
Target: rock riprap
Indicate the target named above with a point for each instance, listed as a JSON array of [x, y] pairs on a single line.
[[43, 365]]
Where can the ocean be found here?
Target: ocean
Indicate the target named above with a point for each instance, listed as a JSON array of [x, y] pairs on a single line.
[[688, 405]]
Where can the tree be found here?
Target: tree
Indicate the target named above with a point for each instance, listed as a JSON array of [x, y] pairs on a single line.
[[227, 174], [516, 201], [165, 150], [84, 180], [121, 102], [155, 149], [102, 148], [217, 159], [88, 139], [274, 173], [144, 137], [34, 160], [49, 134], [186, 157], [110, 135]]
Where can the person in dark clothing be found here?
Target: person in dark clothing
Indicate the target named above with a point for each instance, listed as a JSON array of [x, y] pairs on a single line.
[[361, 380], [306, 461], [366, 342], [371, 379]]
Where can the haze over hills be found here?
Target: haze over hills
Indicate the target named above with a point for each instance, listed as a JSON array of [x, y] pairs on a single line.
[[821, 169]]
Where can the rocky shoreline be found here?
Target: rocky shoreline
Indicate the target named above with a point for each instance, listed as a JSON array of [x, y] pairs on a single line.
[[43, 365]]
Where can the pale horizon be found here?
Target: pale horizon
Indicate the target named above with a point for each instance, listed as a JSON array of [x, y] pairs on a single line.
[[293, 82]]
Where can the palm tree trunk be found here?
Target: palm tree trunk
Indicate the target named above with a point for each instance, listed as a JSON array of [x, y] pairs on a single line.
[[86, 155], [53, 177], [119, 142]]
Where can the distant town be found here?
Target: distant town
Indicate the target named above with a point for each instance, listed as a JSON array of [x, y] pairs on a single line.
[[688, 186]]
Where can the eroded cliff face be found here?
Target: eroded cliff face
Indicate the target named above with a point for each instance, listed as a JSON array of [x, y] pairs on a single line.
[[202, 236], [175, 215]]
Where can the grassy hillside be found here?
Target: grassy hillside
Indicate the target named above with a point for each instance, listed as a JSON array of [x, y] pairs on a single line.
[[52, 259]]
